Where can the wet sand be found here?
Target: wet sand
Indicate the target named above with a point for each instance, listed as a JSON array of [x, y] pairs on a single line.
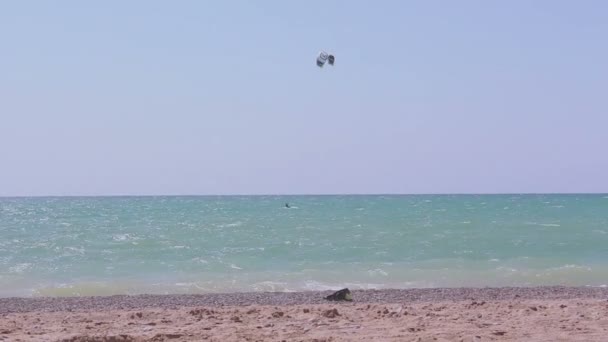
[[464, 314]]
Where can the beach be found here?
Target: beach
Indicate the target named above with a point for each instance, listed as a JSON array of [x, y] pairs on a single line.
[[441, 314]]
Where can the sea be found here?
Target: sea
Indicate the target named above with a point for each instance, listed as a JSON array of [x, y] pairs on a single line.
[[82, 246]]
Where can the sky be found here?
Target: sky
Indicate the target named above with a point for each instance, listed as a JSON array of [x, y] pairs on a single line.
[[224, 97]]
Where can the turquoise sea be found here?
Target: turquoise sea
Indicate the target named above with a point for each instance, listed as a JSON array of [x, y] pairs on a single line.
[[58, 246]]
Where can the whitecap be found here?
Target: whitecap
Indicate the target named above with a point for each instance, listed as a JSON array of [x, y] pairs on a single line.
[[20, 268], [572, 266], [377, 271], [121, 237], [543, 224], [233, 266], [184, 284], [565, 268], [200, 260], [76, 250]]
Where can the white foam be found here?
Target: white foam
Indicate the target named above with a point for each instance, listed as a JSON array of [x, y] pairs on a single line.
[[19, 268], [74, 250], [377, 271], [200, 260], [121, 237], [318, 286], [233, 266], [570, 267], [543, 224], [272, 286]]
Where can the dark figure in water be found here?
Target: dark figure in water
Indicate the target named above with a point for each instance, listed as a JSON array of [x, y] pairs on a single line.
[[287, 205]]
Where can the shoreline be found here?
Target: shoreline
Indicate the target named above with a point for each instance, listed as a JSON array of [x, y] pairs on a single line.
[[383, 296]]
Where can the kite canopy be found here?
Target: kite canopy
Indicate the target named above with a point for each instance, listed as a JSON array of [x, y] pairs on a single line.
[[331, 59], [321, 59], [325, 57]]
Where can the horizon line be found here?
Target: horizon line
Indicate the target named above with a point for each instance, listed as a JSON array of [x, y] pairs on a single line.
[[311, 194]]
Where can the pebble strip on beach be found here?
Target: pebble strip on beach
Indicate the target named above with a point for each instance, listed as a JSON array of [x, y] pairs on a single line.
[[134, 302]]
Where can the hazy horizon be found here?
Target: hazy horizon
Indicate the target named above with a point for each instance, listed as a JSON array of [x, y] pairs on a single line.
[[217, 98], [318, 194]]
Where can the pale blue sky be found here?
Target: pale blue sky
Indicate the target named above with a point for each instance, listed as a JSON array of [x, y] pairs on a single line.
[[224, 97]]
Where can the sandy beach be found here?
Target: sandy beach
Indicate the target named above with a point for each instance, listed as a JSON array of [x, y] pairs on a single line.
[[463, 314]]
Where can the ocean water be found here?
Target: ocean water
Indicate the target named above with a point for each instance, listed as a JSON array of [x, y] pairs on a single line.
[[60, 246]]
